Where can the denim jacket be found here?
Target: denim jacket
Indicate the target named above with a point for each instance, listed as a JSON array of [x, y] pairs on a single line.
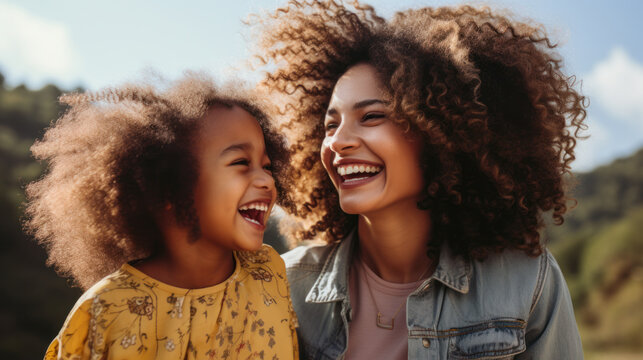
[[509, 306]]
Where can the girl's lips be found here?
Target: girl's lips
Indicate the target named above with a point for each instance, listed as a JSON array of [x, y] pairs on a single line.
[[255, 213], [254, 223]]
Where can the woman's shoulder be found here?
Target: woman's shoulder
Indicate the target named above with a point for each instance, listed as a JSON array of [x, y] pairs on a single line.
[[525, 275], [310, 255]]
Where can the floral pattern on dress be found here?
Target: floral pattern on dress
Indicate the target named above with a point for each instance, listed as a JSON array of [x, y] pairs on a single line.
[[130, 315]]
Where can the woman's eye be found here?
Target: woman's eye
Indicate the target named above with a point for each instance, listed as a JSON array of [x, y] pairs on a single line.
[[371, 116], [268, 167], [331, 126]]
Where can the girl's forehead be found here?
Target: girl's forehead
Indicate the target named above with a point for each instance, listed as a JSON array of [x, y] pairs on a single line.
[[223, 125]]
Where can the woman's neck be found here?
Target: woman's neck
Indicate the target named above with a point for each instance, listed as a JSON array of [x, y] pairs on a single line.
[[393, 242], [189, 264]]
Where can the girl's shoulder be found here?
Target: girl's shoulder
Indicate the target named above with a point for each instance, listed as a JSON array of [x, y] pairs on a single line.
[[108, 287], [265, 256], [89, 312], [263, 264]]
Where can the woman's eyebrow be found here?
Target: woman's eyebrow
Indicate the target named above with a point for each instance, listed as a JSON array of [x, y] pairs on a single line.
[[359, 105]]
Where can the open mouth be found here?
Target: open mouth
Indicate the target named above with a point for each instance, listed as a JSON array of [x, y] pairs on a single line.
[[357, 173], [255, 212]]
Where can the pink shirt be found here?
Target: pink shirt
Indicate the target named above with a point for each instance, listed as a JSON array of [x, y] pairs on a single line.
[[365, 339]]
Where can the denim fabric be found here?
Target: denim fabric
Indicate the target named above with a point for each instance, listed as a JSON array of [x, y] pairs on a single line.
[[509, 306]]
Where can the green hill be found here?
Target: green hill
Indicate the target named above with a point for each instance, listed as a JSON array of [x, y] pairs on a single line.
[[34, 300], [600, 250]]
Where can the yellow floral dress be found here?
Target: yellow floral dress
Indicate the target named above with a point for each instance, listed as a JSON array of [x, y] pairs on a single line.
[[128, 315]]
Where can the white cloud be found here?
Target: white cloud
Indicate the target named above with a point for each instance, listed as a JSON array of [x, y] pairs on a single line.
[[615, 116], [32, 48], [616, 85], [591, 152]]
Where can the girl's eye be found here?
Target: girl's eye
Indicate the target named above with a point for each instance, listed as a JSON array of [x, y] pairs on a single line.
[[371, 116], [268, 168], [243, 162]]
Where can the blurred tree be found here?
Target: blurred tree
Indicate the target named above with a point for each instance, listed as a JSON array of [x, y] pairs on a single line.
[[34, 300]]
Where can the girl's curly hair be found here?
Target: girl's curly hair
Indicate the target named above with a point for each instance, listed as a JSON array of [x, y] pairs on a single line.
[[116, 158], [498, 117]]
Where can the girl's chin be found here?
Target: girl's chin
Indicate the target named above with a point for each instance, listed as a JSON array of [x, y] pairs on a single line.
[[251, 244]]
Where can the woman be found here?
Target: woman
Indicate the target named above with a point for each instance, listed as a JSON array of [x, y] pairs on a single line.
[[444, 137]]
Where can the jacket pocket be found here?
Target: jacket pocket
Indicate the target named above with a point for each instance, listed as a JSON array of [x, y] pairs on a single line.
[[499, 339]]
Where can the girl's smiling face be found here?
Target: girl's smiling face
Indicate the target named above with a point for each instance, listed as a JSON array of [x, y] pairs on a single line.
[[235, 190], [373, 164]]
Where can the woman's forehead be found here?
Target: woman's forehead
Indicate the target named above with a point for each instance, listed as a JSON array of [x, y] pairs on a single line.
[[359, 83]]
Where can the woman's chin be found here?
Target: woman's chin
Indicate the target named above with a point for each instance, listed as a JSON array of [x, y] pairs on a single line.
[[356, 207]]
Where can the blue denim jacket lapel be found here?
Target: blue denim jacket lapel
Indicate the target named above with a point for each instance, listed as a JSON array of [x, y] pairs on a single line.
[[332, 283]]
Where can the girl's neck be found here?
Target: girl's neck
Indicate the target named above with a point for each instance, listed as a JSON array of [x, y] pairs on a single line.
[[189, 264], [393, 242]]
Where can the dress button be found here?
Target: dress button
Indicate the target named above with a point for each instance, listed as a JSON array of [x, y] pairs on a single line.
[[426, 342]]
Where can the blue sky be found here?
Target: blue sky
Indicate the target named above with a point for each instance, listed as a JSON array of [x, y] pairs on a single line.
[[96, 44]]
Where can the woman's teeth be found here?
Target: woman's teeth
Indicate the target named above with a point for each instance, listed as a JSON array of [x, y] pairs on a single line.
[[354, 169]]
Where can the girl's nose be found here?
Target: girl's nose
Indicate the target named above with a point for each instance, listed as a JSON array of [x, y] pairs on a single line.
[[264, 180]]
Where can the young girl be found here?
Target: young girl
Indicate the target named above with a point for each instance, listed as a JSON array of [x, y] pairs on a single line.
[[428, 148], [165, 196]]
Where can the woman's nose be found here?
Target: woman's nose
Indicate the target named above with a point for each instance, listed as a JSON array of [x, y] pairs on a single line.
[[344, 139]]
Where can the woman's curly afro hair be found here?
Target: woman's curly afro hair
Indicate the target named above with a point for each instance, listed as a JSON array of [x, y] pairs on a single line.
[[116, 158], [498, 117]]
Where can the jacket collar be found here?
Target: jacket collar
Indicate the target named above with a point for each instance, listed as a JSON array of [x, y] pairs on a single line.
[[332, 283], [453, 271]]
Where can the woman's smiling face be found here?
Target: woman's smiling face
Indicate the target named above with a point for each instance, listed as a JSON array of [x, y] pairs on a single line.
[[372, 162]]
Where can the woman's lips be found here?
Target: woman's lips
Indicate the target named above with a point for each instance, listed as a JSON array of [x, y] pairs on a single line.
[[354, 180]]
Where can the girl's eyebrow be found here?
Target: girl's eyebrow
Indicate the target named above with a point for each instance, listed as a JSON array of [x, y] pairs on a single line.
[[235, 147], [359, 105]]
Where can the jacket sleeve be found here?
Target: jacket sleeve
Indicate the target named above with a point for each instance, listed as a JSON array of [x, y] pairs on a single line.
[[551, 331]]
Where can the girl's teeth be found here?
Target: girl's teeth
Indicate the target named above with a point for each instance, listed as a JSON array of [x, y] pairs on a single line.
[[252, 221], [260, 207]]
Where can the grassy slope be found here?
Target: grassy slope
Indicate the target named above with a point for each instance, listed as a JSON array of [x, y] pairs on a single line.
[[604, 269]]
